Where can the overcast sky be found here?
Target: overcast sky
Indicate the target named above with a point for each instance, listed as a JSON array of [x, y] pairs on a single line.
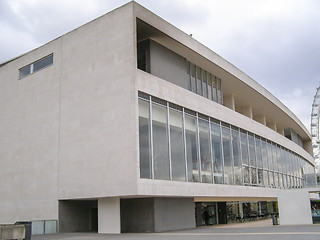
[[276, 42]]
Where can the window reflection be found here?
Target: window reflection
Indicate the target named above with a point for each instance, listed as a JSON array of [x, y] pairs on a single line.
[[160, 142], [217, 155], [236, 157], [191, 146], [177, 146], [228, 166], [144, 142], [205, 156]]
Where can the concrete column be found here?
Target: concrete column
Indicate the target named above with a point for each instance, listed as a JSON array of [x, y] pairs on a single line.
[[109, 215], [272, 125], [294, 207], [281, 131], [229, 102], [261, 119], [241, 210], [247, 111]]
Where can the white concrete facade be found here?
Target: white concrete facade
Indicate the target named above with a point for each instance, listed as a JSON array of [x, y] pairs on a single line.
[[294, 207], [71, 131]]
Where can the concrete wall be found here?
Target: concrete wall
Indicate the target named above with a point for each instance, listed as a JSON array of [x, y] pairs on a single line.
[[97, 131], [137, 215], [294, 207], [68, 130], [29, 139], [168, 65], [174, 214], [157, 214]]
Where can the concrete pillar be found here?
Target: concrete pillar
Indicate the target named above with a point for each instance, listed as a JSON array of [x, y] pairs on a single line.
[[281, 131], [247, 111], [294, 207], [261, 119], [229, 102], [272, 125], [109, 215], [241, 210]]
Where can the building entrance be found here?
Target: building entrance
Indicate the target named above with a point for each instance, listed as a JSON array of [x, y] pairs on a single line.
[[206, 213], [211, 213]]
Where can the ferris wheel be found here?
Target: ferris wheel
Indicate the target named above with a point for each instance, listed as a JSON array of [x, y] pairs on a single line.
[[315, 114]]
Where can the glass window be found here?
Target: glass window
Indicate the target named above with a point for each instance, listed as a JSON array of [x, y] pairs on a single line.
[[43, 63], [259, 160], [275, 158], [25, 71], [259, 153], [160, 142], [177, 146], [193, 78], [260, 176], [276, 180], [204, 83], [50, 226], [271, 179], [209, 76], [252, 153], [270, 156], [214, 89], [205, 151], [252, 157], [144, 139], [189, 76], [191, 145], [264, 154], [246, 175], [244, 148], [228, 166], [266, 178], [36, 66], [217, 155], [253, 175], [219, 91], [199, 82], [37, 227], [236, 157]]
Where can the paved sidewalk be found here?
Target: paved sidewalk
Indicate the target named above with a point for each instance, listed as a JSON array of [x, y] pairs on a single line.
[[262, 230]]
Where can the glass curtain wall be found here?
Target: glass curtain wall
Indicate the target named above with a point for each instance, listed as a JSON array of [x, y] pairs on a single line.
[[178, 144]]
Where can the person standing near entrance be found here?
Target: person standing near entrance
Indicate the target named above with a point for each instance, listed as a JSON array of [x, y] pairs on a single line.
[[206, 216]]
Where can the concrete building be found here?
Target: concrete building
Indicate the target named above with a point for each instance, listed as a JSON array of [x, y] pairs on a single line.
[[127, 124]]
